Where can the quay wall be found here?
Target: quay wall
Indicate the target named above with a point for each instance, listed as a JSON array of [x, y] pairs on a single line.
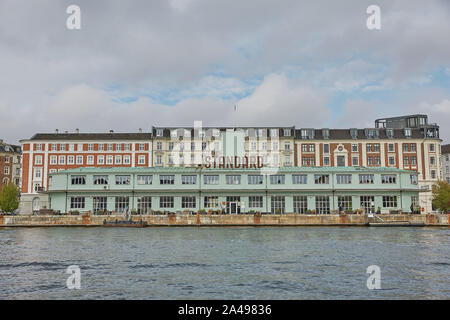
[[221, 220]]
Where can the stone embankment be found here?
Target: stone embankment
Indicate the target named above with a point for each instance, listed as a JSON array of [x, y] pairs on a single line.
[[183, 220]]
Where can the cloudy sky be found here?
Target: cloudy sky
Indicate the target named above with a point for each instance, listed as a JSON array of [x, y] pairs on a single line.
[[134, 64]]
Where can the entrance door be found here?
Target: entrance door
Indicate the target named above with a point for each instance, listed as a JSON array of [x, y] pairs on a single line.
[[233, 208], [340, 161], [368, 203]]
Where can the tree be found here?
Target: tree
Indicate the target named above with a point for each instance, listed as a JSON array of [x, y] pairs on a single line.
[[441, 196], [9, 198]]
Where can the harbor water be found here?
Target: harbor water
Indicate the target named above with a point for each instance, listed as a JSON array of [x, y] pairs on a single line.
[[225, 263]]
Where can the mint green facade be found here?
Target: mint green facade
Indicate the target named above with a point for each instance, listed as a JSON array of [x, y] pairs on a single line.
[[240, 197]]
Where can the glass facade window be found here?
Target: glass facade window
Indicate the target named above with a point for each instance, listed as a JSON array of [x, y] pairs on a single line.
[[233, 179], [277, 179], [322, 204], [389, 201], [299, 179], [344, 178], [101, 179], [255, 202], [188, 179], [321, 179], [122, 204], [77, 202], [366, 178], [166, 179], [125, 179], [355, 161], [188, 202], [345, 202], [367, 203], [78, 179], [278, 204], [99, 204], [144, 205], [166, 202], [300, 204], [255, 179], [388, 178], [211, 179], [144, 179], [211, 202]]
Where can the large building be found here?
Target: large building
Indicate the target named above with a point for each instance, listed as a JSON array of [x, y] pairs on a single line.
[[318, 190], [404, 143], [445, 161], [10, 164]]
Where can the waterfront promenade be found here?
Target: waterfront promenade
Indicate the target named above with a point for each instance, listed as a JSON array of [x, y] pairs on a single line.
[[186, 220]]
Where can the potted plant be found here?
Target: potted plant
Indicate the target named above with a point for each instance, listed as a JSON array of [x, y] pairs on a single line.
[[379, 210], [133, 211], [313, 211]]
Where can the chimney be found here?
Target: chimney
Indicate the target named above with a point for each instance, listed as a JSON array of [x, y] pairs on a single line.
[[77, 131], [56, 131], [140, 130], [111, 131]]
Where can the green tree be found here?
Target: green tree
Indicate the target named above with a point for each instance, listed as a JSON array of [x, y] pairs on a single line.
[[9, 198], [441, 196]]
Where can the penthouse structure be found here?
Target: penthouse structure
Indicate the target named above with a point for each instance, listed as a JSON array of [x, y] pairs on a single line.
[[404, 143]]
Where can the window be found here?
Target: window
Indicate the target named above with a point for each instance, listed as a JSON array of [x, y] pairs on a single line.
[[391, 161], [70, 160], [354, 147], [286, 132], [54, 147], [211, 179], [253, 146], [408, 133], [311, 148], [90, 160], [38, 147], [432, 147], [255, 202], [62, 147], [109, 159], [255, 179], [366, 178], [118, 159], [159, 160], [76, 202], [390, 147], [377, 161], [369, 147], [390, 133], [203, 146], [141, 146], [53, 159], [389, 201], [101, 179], [287, 160], [126, 147], [405, 161], [415, 201], [37, 172], [192, 146], [345, 202], [62, 160], [101, 160], [299, 179], [376, 147], [78, 179], [159, 132], [166, 179], [287, 146], [188, 179], [159, 145], [126, 160], [344, 178], [71, 147], [274, 145], [304, 148], [122, 204], [141, 159], [118, 147], [110, 147], [321, 179], [388, 178], [90, 147], [144, 179], [322, 204], [405, 147], [144, 205], [99, 204], [125, 179], [433, 174], [101, 147], [432, 160], [300, 204], [277, 179], [37, 160], [326, 161], [274, 133], [277, 204], [326, 148], [413, 147], [414, 179], [211, 202], [188, 202], [355, 161]]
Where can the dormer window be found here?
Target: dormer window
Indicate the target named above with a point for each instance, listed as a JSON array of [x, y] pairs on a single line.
[[274, 133], [159, 132], [326, 133], [354, 133], [390, 133], [307, 133], [287, 132], [407, 133], [187, 133], [173, 133], [216, 132], [371, 133]]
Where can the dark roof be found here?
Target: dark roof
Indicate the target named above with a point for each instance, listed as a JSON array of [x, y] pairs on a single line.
[[92, 136], [445, 148], [345, 134], [10, 148]]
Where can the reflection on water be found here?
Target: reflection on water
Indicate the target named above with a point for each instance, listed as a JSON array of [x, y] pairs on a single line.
[[225, 263]]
